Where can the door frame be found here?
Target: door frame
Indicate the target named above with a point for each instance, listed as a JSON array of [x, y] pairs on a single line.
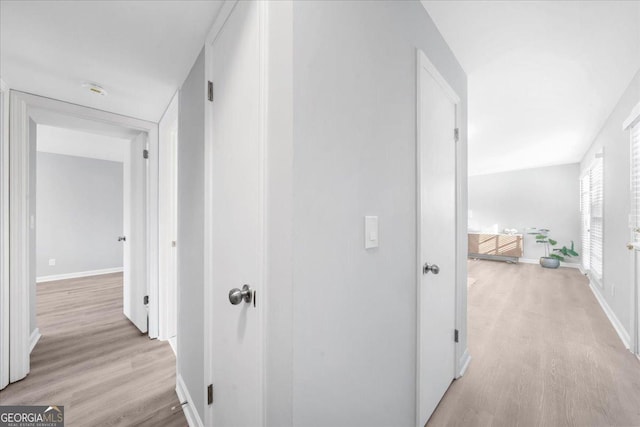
[[167, 220], [209, 352], [461, 355], [4, 234], [21, 106]]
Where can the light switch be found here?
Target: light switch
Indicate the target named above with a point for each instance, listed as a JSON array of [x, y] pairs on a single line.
[[370, 232], [52, 262]]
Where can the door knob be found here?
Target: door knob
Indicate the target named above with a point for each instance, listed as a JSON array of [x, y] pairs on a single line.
[[630, 246], [122, 239], [237, 295], [430, 268]]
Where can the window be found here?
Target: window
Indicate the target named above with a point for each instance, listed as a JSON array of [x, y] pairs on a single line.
[[635, 179], [585, 215], [592, 213]]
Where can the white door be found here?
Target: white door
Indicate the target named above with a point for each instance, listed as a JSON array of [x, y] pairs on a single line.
[[167, 222], [236, 172], [135, 233], [437, 225]]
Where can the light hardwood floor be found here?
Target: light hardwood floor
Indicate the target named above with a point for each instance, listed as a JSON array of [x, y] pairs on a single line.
[[93, 361], [543, 354]]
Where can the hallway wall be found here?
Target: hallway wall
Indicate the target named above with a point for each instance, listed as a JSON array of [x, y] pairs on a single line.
[[617, 283], [354, 154], [79, 214], [190, 234]]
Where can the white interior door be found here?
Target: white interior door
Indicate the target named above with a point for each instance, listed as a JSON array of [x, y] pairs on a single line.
[[236, 241], [168, 222], [135, 233], [437, 226]]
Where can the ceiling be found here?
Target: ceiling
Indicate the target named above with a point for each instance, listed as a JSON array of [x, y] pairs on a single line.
[[80, 143], [139, 51], [543, 76]]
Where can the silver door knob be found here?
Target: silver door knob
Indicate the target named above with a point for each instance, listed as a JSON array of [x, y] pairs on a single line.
[[237, 295], [122, 239], [430, 268]]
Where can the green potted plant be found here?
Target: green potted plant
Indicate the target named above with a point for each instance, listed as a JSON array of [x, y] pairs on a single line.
[[553, 256]]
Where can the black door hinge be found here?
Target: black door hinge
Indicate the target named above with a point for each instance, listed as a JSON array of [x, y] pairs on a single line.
[[145, 154], [210, 394], [456, 134], [146, 300], [455, 335], [210, 91]]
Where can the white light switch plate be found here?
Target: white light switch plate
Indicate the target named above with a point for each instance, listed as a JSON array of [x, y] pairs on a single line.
[[370, 232], [52, 261]]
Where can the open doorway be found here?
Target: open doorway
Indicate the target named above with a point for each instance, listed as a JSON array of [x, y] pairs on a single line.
[[79, 231], [85, 184], [136, 233]]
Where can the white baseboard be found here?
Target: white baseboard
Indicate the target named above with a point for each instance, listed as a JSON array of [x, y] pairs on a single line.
[[464, 363], [190, 412], [34, 338], [615, 322], [54, 277]]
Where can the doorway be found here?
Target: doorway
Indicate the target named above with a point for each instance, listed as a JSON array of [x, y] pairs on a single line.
[[27, 111]]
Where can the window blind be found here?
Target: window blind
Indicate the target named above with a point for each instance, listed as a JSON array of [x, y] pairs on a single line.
[[585, 216], [635, 178], [596, 216]]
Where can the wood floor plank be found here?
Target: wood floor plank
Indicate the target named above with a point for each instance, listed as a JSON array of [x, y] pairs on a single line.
[[543, 354], [93, 361]]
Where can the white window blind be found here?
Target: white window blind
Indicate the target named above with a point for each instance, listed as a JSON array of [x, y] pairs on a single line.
[[585, 216], [596, 216], [635, 178]]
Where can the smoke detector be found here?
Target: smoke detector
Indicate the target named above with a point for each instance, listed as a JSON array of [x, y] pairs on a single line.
[[94, 88]]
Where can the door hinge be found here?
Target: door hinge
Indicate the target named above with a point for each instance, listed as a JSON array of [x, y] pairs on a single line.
[[455, 336], [456, 134], [145, 154], [210, 394], [210, 91], [146, 300]]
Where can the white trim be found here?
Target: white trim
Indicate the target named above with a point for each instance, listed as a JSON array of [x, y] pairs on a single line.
[[615, 322], [54, 277], [633, 118], [423, 62], [4, 234], [19, 313], [463, 363], [190, 413], [34, 338], [167, 220], [23, 105]]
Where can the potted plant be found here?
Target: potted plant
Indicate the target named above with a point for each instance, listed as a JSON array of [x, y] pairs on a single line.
[[553, 256]]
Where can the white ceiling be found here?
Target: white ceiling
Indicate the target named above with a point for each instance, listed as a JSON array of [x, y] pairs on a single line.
[[139, 51], [543, 76], [69, 142]]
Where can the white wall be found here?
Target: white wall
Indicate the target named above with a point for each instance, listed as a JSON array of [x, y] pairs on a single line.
[[617, 281], [52, 139], [191, 234], [545, 197], [354, 154], [79, 214]]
